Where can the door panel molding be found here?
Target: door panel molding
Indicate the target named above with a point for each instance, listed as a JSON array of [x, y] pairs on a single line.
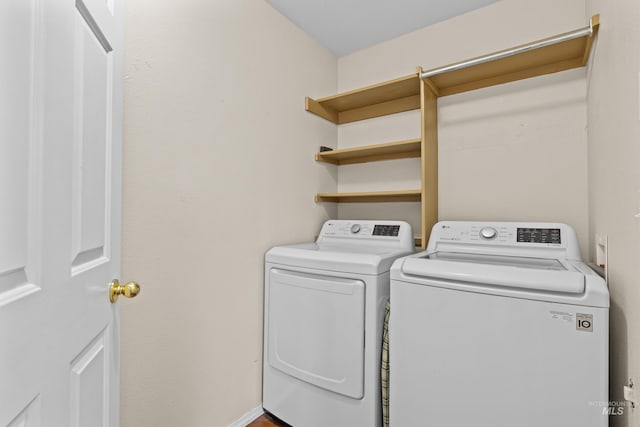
[[89, 372], [29, 416], [93, 145], [21, 160]]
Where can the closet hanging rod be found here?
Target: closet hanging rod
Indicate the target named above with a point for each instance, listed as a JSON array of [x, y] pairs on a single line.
[[586, 31]]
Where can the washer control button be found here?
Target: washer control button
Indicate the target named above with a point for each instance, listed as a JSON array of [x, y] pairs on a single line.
[[488, 233], [355, 228]]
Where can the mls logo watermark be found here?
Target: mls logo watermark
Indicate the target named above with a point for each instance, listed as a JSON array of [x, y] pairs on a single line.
[[611, 410], [615, 407]]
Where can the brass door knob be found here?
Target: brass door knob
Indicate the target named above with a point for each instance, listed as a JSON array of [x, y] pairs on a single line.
[[129, 290]]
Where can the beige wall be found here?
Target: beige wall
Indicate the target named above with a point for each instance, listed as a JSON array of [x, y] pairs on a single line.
[[511, 152], [614, 180], [218, 167]]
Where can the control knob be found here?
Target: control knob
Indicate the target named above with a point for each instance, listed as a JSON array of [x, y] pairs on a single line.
[[355, 228], [488, 233]]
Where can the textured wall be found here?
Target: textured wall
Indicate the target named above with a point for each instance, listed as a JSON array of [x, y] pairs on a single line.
[[614, 180], [218, 167]]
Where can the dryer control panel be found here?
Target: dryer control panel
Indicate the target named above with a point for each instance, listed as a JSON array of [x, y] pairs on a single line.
[[389, 233]]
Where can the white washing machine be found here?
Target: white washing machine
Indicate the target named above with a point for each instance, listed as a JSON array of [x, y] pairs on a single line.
[[498, 325], [323, 319]]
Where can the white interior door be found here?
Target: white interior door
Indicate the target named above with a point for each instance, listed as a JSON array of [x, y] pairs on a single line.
[[60, 180]]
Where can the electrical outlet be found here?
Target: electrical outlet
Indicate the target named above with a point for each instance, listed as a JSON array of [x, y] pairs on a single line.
[[602, 254], [630, 394], [601, 250]]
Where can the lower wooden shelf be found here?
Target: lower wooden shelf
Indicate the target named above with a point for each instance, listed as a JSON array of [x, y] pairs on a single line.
[[371, 197]]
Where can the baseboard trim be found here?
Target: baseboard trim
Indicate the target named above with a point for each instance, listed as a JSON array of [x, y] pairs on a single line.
[[248, 417]]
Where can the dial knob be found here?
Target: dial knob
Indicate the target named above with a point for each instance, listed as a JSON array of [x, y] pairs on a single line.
[[355, 228], [488, 233]]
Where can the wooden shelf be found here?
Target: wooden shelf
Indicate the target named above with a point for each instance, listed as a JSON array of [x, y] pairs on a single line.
[[394, 96], [371, 197], [372, 153], [403, 94], [421, 91], [535, 59]]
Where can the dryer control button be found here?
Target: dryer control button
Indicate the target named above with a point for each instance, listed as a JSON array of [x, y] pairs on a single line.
[[488, 233], [355, 228]]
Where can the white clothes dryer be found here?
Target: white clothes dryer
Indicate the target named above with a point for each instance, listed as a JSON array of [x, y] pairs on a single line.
[[498, 325], [323, 318]]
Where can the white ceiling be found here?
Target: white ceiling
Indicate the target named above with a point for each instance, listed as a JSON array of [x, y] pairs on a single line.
[[345, 26]]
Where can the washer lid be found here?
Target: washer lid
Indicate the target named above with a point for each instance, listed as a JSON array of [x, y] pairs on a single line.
[[502, 260], [539, 274], [359, 259]]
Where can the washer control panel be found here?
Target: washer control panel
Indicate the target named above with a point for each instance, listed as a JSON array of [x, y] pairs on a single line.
[[503, 233], [530, 239], [539, 235]]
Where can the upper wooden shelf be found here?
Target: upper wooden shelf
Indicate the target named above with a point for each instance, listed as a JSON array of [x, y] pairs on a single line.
[[372, 153], [394, 96], [371, 197], [546, 56]]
